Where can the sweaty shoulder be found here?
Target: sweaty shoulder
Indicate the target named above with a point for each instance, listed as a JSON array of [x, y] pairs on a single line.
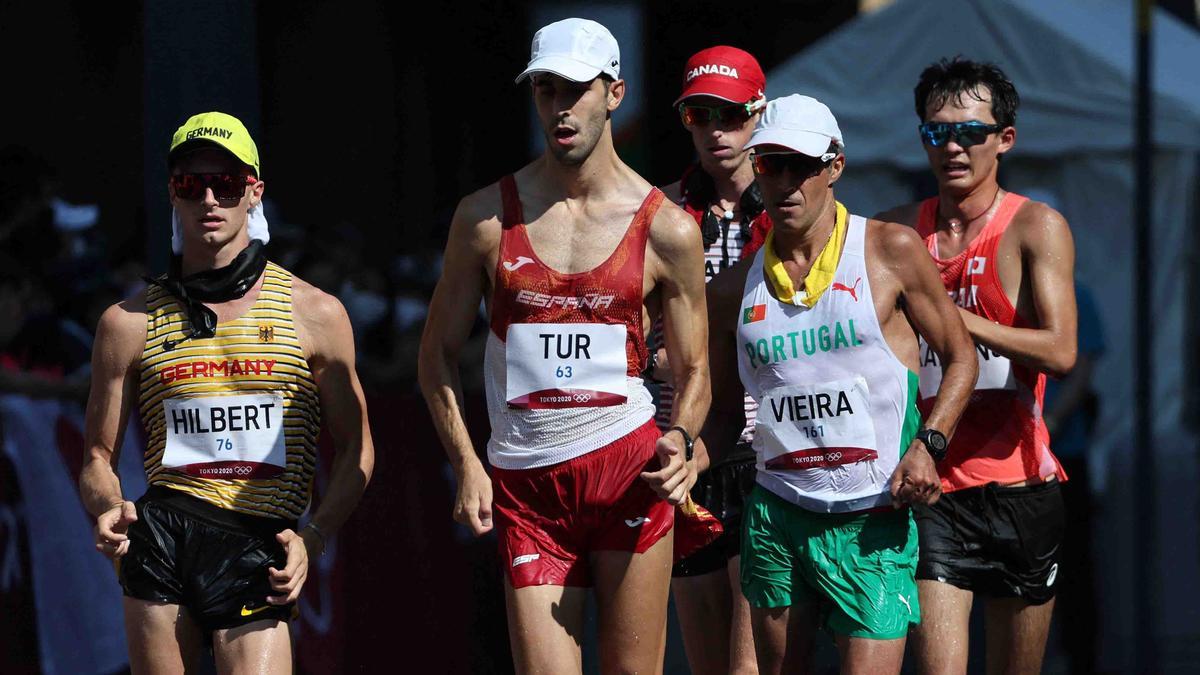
[[323, 324], [121, 331], [893, 244], [479, 216], [905, 214], [673, 233], [1037, 222], [316, 308]]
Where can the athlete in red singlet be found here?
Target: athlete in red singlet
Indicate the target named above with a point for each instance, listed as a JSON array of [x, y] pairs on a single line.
[[1007, 261], [567, 251]]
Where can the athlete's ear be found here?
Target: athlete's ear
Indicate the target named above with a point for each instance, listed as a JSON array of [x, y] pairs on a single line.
[[256, 192], [1008, 138], [836, 167], [616, 94]]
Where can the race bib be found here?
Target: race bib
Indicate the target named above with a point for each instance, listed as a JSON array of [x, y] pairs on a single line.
[[819, 425], [233, 437], [995, 371], [565, 365]]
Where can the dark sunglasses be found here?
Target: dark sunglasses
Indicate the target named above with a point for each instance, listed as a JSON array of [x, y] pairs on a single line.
[[799, 164], [966, 134], [735, 114], [225, 186]]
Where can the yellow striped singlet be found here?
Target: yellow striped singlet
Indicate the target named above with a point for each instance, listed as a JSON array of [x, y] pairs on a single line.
[[232, 419]]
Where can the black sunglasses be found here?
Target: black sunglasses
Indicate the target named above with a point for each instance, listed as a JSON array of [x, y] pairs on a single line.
[[966, 134], [799, 164]]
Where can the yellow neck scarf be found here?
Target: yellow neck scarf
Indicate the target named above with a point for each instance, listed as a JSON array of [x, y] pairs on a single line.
[[819, 277]]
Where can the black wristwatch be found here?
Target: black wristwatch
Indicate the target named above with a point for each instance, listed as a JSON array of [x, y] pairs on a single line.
[[688, 443], [935, 442]]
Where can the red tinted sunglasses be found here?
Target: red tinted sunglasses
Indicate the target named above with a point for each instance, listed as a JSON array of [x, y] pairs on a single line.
[[225, 187]]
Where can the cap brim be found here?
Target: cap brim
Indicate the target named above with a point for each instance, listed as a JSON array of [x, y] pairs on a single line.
[[199, 143], [808, 143], [573, 70], [726, 91]]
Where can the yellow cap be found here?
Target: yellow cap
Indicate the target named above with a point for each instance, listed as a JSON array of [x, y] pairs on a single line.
[[226, 131]]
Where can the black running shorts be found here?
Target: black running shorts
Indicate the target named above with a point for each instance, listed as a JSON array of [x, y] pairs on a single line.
[[212, 561], [1002, 542], [722, 490]]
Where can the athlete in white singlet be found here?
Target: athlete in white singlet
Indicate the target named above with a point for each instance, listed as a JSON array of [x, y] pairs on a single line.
[[823, 325]]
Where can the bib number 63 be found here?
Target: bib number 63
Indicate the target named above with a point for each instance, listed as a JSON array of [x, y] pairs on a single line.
[[564, 371]]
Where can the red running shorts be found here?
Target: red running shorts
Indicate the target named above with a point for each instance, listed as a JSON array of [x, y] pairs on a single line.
[[550, 518]]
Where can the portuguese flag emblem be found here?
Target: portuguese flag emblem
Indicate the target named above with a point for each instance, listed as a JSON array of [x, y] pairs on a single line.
[[755, 313]]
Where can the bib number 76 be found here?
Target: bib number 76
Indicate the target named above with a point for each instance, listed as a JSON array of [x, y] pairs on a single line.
[[224, 444]]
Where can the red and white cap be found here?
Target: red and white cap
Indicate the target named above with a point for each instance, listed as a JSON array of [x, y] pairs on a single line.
[[727, 73], [577, 49], [799, 123]]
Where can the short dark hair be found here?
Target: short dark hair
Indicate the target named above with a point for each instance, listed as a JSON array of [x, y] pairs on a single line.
[[947, 79]]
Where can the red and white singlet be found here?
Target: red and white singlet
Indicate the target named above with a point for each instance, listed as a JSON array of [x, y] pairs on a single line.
[[565, 351], [1001, 437]]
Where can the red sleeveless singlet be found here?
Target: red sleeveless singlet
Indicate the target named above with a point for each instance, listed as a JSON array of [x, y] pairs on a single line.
[[529, 291], [1001, 437]]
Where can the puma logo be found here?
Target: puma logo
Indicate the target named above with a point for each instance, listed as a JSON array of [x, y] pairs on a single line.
[[852, 290], [514, 266]]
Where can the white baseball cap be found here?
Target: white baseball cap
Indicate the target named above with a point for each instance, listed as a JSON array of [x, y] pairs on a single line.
[[577, 49], [799, 123]]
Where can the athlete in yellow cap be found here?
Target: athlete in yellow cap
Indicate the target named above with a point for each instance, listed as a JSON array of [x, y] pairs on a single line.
[[231, 382]]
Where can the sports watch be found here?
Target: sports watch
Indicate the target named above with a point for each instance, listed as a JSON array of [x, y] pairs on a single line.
[[688, 443], [935, 442]]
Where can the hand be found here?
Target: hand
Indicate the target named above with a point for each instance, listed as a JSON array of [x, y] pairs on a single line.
[[915, 480], [662, 368], [112, 529], [473, 505], [290, 580], [675, 479]]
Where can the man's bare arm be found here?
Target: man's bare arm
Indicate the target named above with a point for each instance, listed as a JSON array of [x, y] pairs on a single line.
[[120, 338], [324, 330], [473, 233], [679, 255], [1049, 254], [727, 416], [936, 319], [327, 328]]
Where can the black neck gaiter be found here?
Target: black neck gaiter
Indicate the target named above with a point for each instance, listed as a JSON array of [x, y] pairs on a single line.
[[217, 285]]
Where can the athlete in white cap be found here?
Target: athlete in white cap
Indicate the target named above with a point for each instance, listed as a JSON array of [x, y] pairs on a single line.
[[822, 324], [566, 251]]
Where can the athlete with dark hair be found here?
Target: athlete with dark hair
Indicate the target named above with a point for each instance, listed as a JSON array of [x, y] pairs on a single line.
[[1007, 262], [823, 327], [566, 251]]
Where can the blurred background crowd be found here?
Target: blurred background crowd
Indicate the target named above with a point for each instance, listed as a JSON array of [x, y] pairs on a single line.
[[371, 125]]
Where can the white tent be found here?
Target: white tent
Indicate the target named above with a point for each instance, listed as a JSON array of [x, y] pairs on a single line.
[[1073, 64]]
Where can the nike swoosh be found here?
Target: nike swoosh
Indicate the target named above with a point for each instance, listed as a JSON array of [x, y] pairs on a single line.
[[634, 522], [256, 610], [514, 266]]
